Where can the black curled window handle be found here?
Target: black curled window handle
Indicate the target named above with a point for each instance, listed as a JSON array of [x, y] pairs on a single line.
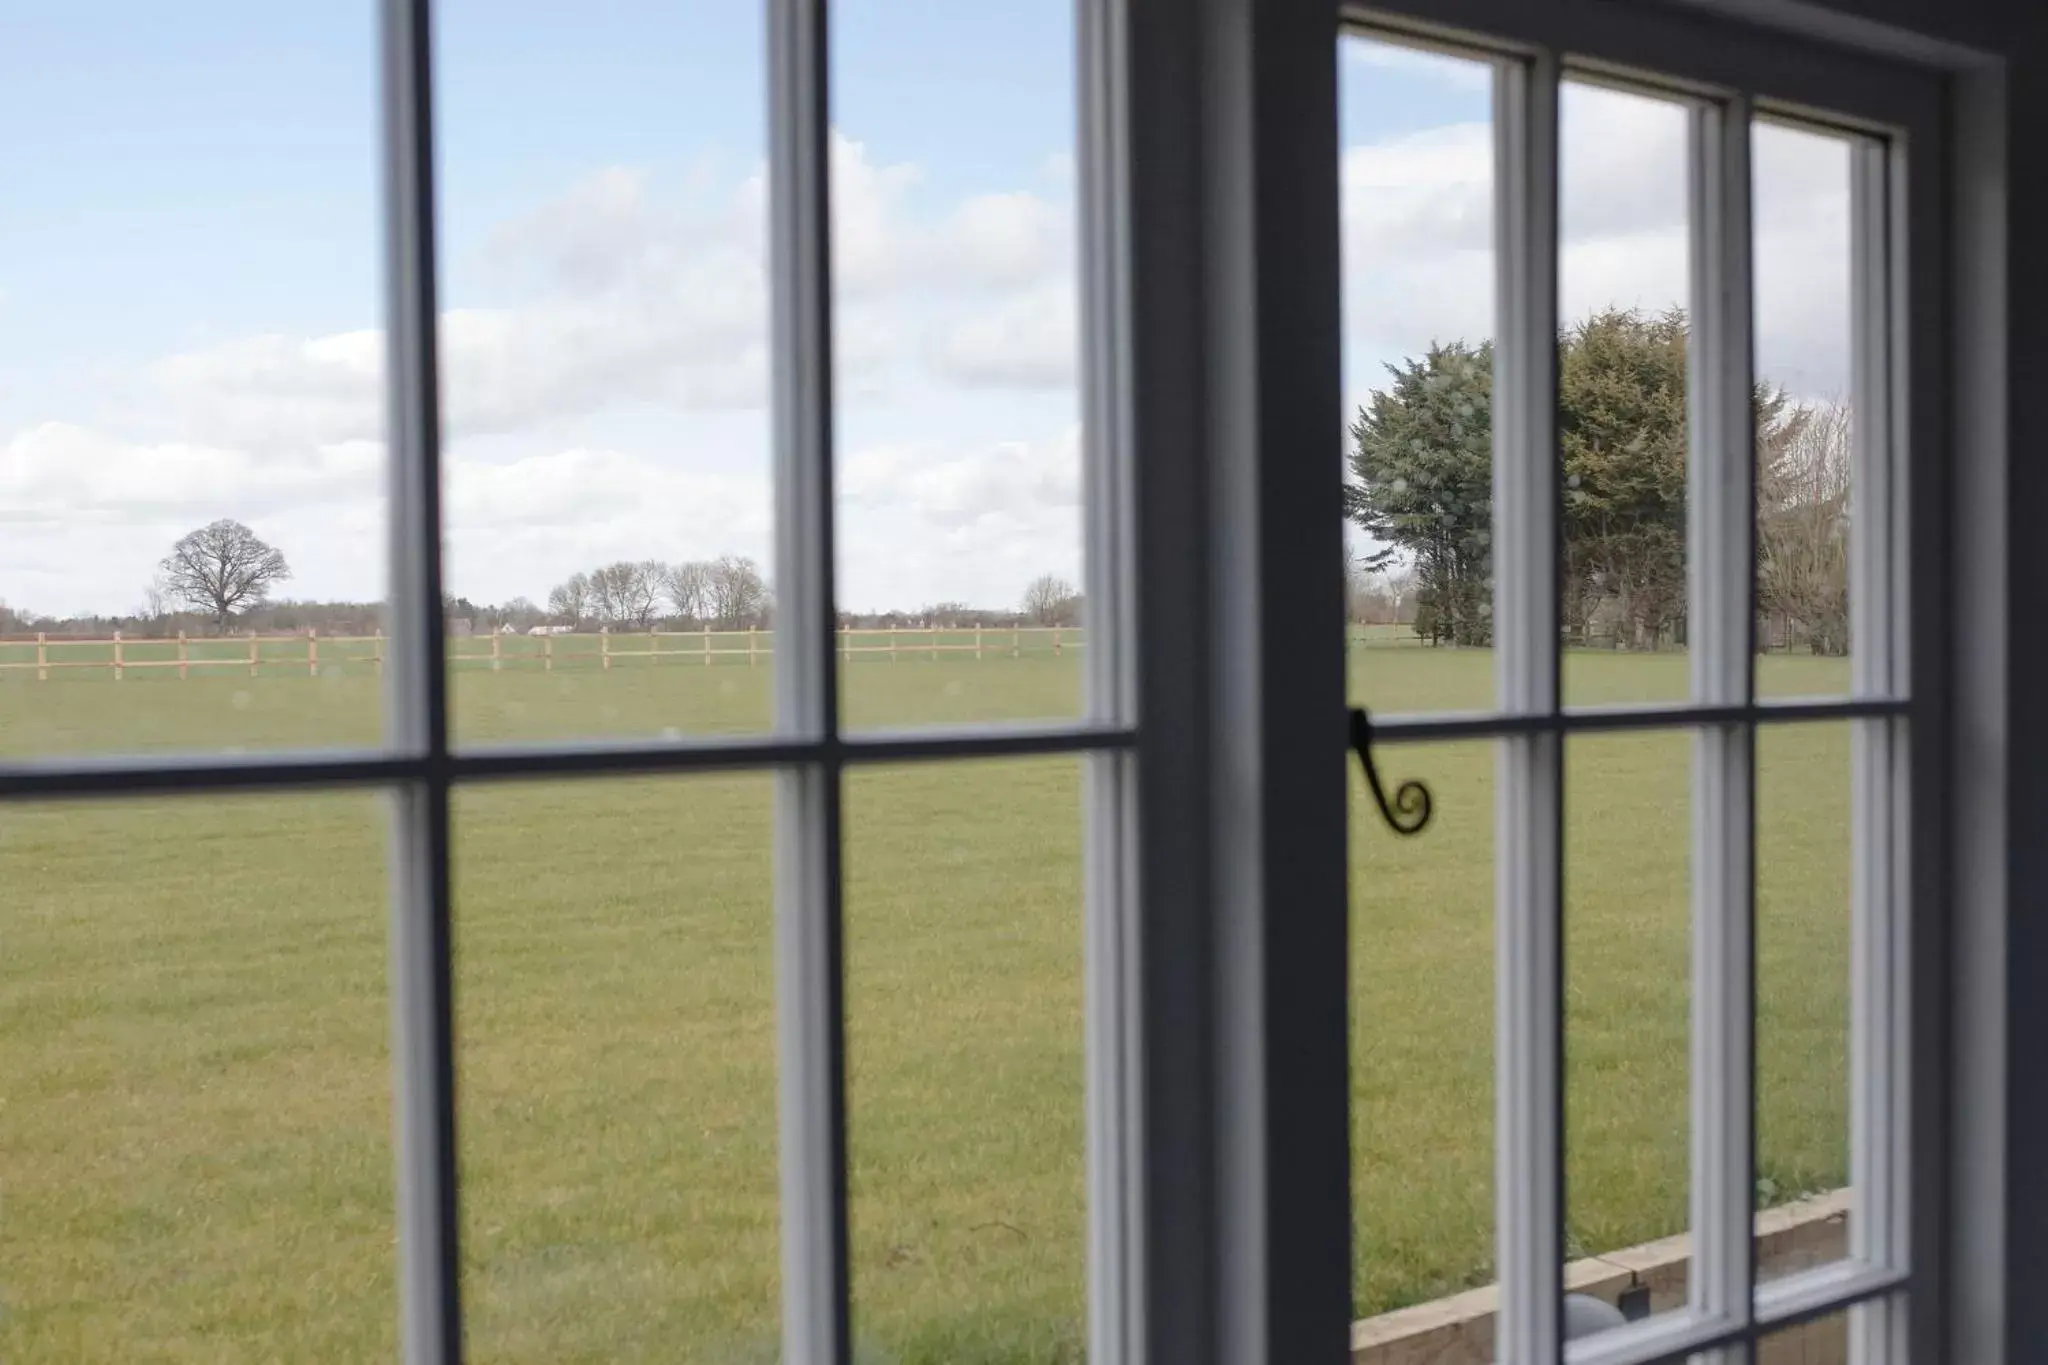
[[1411, 807]]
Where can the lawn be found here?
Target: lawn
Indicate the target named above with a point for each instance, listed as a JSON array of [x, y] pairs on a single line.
[[194, 1158]]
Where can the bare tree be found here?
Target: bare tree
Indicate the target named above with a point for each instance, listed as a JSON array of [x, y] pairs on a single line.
[[1803, 529], [570, 599], [156, 599], [688, 589], [222, 568], [12, 621], [1400, 588], [736, 592], [626, 593], [1051, 601]]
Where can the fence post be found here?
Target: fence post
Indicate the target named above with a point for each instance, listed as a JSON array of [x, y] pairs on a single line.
[[377, 650], [252, 653], [935, 643], [312, 651], [1055, 639], [547, 653], [892, 644], [977, 641], [42, 658], [753, 643], [497, 652], [1016, 642], [604, 646], [118, 672], [183, 663]]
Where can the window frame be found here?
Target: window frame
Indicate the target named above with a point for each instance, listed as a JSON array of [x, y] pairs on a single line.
[[1218, 1086]]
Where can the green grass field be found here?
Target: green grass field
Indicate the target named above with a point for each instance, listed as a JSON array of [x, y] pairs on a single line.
[[194, 1130]]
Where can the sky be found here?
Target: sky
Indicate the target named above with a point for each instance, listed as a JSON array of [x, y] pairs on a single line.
[[190, 288]]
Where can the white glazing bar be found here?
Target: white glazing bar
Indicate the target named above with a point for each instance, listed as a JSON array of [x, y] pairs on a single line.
[[1721, 474], [1881, 843], [415, 698], [1110, 815], [809, 980], [1527, 851]]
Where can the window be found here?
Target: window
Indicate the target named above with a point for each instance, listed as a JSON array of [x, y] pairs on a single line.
[[1204, 750], [1545, 593]]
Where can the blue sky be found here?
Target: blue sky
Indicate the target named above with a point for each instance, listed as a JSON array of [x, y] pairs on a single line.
[[189, 281]]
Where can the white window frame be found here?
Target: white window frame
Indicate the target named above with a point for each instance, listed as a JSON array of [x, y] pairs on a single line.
[[1213, 730]]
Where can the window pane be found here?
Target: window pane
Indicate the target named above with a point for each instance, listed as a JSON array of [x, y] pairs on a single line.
[[1422, 934], [615, 990], [958, 418], [1803, 974], [1628, 965], [1416, 186], [964, 1062], [191, 424], [1621, 403], [1801, 251], [197, 1128], [1822, 1341], [605, 358]]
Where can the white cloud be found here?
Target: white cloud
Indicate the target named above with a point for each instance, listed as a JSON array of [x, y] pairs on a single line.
[[1461, 74], [1027, 341], [1418, 244], [926, 521], [606, 371]]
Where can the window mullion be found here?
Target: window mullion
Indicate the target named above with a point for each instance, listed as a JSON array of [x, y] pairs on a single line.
[[809, 973], [1721, 470], [1528, 847], [422, 1004], [1879, 1053], [1111, 813]]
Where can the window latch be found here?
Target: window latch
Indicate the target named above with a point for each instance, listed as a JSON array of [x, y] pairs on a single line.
[[1410, 808]]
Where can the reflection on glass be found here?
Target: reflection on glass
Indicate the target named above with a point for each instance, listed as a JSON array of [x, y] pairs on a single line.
[[605, 359], [1416, 186], [1802, 981], [1804, 419], [955, 308], [1822, 1341], [191, 418], [1621, 414], [1627, 953], [964, 1057], [616, 1067], [196, 1131], [1422, 1034]]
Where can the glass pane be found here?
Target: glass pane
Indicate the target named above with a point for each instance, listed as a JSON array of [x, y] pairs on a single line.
[[1822, 1341], [1804, 419], [615, 990], [197, 1128], [604, 355], [966, 1161], [1422, 934], [1802, 983], [1623, 281], [191, 424], [1628, 964], [955, 314], [1416, 186]]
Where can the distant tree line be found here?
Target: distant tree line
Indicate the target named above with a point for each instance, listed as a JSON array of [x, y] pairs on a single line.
[[1422, 487], [727, 593], [217, 579]]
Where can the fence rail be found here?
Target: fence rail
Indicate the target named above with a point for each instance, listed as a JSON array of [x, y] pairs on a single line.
[[314, 653]]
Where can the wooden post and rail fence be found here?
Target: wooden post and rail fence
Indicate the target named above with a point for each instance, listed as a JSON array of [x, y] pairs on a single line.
[[311, 652]]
